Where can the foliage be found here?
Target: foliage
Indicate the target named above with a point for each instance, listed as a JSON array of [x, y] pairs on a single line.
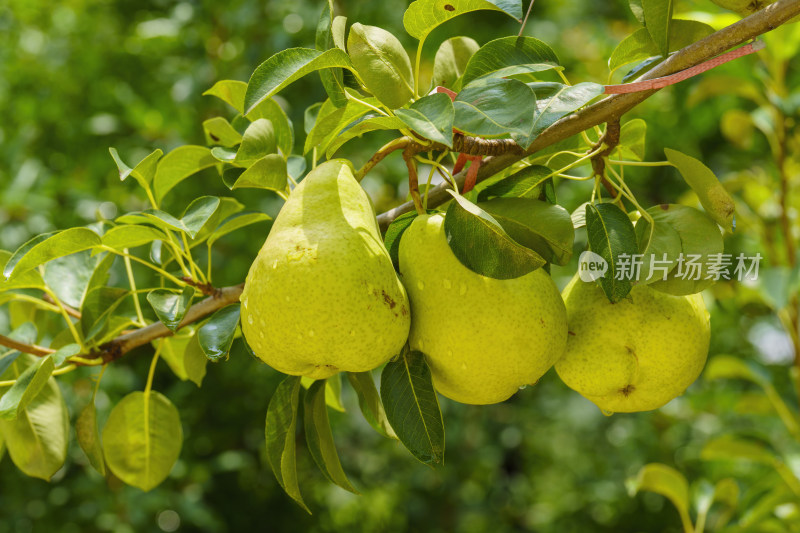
[[75, 296]]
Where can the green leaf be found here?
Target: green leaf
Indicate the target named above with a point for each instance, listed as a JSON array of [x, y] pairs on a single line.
[[543, 227], [198, 213], [713, 196], [170, 305], [63, 353], [658, 18], [258, 140], [664, 480], [493, 107], [422, 16], [333, 391], [178, 165], [28, 385], [508, 56], [660, 246], [730, 367], [364, 124], [98, 306], [481, 244], [229, 91], [184, 356], [280, 436], [142, 439], [451, 60], [219, 131], [286, 67], [281, 125], [320, 438], [216, 335], [49, 246], [382, 64], [29, 280], [332, 79], [195, 361], [639, 45], [631, 140], [525, 183], [226, 155], [37, 439], [88, 436], [131, 236], [700, 241], [431, 117], [555, 100], [393, 234], [412, 407], [637, 10], [236, 221], [143, 172], [611, 234], [731, 448], [269, 173], [370, 402], [69, 276]]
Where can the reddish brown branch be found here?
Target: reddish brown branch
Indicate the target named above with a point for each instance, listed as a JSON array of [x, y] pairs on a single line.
[[74, 313]]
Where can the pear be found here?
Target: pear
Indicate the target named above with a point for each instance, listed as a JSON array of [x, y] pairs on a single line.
[[322, 296], [483, 338], [636, 354]]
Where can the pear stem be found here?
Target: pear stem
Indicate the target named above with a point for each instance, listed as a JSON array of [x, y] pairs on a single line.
[[413, 177]]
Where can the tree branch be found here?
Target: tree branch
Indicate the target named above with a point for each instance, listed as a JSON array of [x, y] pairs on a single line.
[[25, 348], [613, 107]]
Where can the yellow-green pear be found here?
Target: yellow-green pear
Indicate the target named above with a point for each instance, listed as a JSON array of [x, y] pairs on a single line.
[[636, 354], [483, 338], [322, 296]]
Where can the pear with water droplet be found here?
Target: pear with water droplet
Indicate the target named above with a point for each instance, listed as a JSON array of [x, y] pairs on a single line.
[[483, 338], [636, 354], [322, 296]]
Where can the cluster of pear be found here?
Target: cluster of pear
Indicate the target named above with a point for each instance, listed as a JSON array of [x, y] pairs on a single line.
[[323, 297]]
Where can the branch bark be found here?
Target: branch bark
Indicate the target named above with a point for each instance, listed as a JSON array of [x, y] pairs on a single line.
[[613, 107]]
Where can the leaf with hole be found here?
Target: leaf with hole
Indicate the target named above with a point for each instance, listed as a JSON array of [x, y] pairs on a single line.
[[423, 16]]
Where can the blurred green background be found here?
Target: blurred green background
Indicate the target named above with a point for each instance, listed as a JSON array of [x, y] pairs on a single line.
[[80, 76]]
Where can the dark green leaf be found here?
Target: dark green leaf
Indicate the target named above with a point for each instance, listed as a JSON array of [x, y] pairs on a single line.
[[510, 55], [555, 100], [412, 407], [431, 117], [89, 437], [394, 232], [171, 306], [660, 246], [658, 17], [492, 107], [280, 436], [480, 243], [640, 46], [216, 335], [525, 183], [320, 438], [332, 79], [611, 234]]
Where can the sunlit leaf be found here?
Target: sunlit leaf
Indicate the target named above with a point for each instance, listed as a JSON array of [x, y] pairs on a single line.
[[422, 16], [49, 246], [178, 165], [431, 117]]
